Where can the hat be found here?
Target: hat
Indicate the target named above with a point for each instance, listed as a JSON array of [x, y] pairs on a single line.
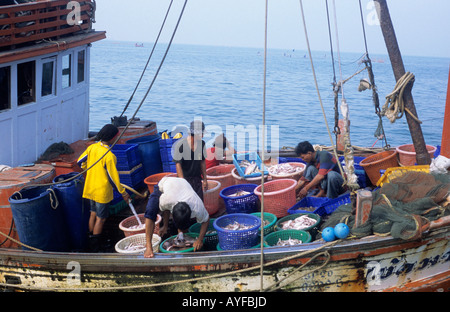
[[197, 127]]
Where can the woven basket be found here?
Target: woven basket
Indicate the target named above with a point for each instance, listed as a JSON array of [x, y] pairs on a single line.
[[272, 238], [295, 176], [240, 180], [131, 221], [278, 226], [212, 239], [271, 218], [154, 179], [279, 196], [244, 239], [211, 197], [194, 235], [137, 239], [221, 173], [240, 204]]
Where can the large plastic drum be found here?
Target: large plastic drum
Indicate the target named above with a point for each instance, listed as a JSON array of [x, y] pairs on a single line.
[[148, 147], [76, 210], [39, 219]]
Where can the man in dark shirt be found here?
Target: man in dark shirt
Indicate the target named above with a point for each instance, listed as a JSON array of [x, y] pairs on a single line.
[[189, 157], [322, 172]]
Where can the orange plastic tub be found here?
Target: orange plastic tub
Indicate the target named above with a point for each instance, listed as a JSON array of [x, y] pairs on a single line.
[[152, 180], [407, 154], [381, 161]]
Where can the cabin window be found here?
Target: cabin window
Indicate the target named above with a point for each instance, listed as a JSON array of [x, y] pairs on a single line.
[[26, 83], [81, 62], [5, 88], [66, 71], [48, 76]]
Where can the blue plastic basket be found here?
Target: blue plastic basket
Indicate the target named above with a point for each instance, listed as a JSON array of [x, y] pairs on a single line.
[[282, 160], [252, 156], [244, 239], [240, 204], [309, 201], [134, 177], [330, 206], [127, 156]]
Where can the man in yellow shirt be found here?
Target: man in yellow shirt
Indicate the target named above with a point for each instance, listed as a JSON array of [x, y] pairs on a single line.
[[101, 178]]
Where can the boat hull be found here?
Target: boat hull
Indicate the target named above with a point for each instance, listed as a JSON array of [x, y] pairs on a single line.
[[368, 264]]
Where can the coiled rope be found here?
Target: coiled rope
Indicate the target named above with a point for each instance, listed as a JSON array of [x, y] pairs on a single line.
[[394, 108]]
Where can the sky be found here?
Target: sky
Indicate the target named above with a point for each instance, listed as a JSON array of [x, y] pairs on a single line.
[[422, 26]]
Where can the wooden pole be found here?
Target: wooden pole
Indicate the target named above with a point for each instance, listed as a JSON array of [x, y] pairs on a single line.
[[387, 28], [445, 144]]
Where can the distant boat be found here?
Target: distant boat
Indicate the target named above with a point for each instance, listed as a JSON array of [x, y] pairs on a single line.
[[139, 45]]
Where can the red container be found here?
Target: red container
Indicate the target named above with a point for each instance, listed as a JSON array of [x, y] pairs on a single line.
[[279, 196], [131, 221], [407, 154], [211, 197], [154, 179]]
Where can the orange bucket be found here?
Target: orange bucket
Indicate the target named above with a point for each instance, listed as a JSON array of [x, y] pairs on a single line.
[[381, 161], [152, 180], [407, 154]]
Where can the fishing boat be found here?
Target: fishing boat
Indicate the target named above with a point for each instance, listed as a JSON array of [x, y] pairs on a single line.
[[51, 53]]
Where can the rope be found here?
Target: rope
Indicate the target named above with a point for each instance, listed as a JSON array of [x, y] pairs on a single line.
[[191, 280], [18, 242], [394, 108]]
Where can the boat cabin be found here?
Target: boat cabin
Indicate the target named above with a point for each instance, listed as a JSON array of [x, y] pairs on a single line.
[[44, 76]]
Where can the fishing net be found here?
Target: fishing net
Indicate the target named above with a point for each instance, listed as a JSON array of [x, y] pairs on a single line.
[[402, 208], [56, 149]]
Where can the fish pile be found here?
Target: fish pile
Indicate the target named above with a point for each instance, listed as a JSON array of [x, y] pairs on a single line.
[[178, 243], [284, 169], [239, 193], [299, 223], [289, 242], [250, 167], [137, 227], [134, 247], [236, 226]]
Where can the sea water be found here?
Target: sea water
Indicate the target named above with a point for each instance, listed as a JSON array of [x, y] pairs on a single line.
[[224, 86]]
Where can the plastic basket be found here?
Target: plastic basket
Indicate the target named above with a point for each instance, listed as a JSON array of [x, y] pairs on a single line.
[[244, 239], [137, 239], [282, 160], [240, 204], [212, 239], [131, 221], [407, 154], [162, 249], [279, 196], [271, 218], [127, 156], [331, 205], [308, 202], [396, 172], [296, 176], [154, 179], [221, 173], [272, 238], [240, 180], [278, 226], [211, 197], [252, 156], [374, 163]]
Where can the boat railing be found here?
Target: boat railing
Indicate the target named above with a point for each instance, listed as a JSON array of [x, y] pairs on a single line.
[[44, 20]]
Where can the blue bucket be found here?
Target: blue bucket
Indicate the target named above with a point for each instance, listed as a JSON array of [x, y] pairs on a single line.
[[39, 220], [148, 147], [76, 210]]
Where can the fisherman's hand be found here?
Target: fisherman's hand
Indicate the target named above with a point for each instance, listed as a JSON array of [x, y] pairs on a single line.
[[205, 185], [162, 231], [126, 197], [198, 244], [148, 253], [303, 192]]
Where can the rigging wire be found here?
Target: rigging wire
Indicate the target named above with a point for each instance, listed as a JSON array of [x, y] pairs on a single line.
[[149, 58]]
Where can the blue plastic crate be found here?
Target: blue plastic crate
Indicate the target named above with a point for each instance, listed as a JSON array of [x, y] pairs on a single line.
[[331, 205], [134, 177], [356, 160], [282, 160], [127, 155], [309, 201], [252, 156], [240, 204], [169, 167], [244, 239]]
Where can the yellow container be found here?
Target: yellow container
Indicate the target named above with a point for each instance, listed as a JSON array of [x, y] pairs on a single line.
[[392, 173]]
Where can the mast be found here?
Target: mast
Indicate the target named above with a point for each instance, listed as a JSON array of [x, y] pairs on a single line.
[[422, 156]]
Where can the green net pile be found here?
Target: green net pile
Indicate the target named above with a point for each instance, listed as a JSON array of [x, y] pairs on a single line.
[[401, 208]]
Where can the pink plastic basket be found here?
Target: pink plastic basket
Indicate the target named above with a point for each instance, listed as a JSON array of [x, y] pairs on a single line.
[[296, 176], [131, 221], [211, 197], [221, 173], [279, 196], [240, 180]]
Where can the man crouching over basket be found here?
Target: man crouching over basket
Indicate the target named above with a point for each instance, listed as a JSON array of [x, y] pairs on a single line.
[[176, 196]]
